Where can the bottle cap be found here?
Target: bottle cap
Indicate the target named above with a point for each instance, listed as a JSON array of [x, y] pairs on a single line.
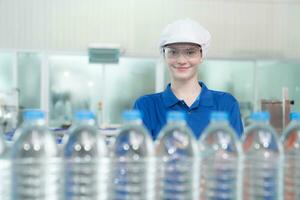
[[84, 115], [176, 116], [260, 116], [295, 116], [33, 114], [131, 115], [219, 116]]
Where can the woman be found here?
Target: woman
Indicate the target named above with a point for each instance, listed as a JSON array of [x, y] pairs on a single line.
[[183, 45]]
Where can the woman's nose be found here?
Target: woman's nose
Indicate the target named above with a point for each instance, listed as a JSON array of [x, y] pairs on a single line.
[[181, 58]]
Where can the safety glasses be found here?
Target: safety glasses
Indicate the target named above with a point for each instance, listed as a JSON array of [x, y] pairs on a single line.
[[187, 52]]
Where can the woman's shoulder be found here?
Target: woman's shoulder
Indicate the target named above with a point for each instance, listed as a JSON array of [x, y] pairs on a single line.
[[218, 96], [148, 98], [223, 98]]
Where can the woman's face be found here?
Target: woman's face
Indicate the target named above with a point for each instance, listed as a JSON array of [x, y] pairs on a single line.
[[183, 60]]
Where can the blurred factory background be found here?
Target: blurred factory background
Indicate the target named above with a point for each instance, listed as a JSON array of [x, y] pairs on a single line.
[[44, 59]]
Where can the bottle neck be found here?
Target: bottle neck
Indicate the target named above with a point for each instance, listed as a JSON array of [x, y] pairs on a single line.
[[36, 122], [90, 122], [262, 122], [294, 123], [295, 120], [178, 122], [133, 122], [219, 122]]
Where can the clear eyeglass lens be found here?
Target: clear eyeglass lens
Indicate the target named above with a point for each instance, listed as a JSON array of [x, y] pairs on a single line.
[[191, 52]]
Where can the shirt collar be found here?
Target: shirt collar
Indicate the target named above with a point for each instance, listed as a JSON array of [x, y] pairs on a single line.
[[205, 98], [169, 97]]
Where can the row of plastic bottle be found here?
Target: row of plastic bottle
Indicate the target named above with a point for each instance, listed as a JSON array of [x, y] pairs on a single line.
[[176, 166]]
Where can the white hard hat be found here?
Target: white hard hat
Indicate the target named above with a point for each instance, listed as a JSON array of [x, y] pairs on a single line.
[[185, 31]]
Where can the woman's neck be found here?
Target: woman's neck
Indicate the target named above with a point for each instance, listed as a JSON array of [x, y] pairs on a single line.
[[186, 90]]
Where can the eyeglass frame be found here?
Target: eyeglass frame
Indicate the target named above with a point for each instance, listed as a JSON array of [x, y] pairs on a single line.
[[184, 55]]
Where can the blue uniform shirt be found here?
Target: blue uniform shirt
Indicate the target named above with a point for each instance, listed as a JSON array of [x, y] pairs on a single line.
[[154, 108]]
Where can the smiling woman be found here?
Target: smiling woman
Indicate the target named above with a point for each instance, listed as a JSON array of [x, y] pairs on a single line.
[[184, 45], [183, 60]]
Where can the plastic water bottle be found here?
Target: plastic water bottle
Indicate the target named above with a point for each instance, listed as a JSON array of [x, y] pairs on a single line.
[[4, 169], [86, 160], [262, 160], [221, 154], [133, 160], [36, 163], [291, 145], [177, 160]]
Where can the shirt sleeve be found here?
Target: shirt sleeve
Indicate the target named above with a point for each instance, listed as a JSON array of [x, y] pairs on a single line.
[[235, 119], [141, 105]]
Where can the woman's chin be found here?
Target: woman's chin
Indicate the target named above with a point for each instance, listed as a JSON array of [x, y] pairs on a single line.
[[182, 77]]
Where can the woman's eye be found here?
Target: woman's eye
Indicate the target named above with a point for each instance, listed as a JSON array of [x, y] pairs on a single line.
[[191, 52], [172, 52]]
